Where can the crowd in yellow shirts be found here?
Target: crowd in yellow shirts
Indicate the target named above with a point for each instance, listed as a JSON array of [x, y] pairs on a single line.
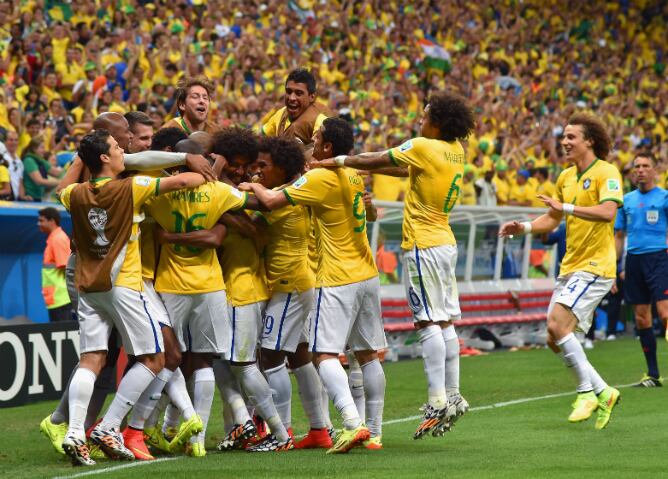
[[526, 66]]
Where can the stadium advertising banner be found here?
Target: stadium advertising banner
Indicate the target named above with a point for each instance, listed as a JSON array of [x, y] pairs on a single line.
[[37, 360]]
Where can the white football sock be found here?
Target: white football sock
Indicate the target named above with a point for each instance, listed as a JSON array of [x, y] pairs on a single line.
[[172, 417], [374, 390], [335, 380], [257, 390], [61, 413], [281, 392], [135, 382], [310, 393], [574, 357], [451, 361], [356, 385], [230, 391], [105, 384], [81, 389], [433, 354], [158, 411], [597, 382], [178, 394], [324, 401], [148, 400], [204, 386]]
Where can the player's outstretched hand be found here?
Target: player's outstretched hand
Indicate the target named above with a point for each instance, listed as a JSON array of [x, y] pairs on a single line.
[[219, 162], [551, 203], [511, 228], [199, 164], [246, 186], [328, 163]]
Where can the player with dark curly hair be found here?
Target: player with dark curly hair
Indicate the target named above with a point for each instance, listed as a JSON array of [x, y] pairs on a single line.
[[291, 282], [238, 148], [435, 163]]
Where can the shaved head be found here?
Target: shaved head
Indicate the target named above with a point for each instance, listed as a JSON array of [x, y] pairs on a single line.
[[117, 126], [204, 139]]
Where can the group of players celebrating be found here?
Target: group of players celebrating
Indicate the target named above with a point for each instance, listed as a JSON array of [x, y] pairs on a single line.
[[219, 255]]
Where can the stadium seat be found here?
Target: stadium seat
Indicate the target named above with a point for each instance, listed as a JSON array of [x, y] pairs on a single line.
[[511, 319]]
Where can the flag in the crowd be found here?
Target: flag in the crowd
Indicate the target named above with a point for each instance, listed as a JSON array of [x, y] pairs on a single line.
[[436, 56], [302, 9]]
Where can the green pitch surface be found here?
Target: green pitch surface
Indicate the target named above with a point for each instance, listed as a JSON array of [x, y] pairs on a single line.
[[517, 428]]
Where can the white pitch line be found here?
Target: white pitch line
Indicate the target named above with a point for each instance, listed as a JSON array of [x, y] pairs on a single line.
[[117, 468], [386, 423], [500, 404]]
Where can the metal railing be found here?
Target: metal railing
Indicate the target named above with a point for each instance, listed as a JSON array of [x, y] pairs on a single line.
[[483, 255]]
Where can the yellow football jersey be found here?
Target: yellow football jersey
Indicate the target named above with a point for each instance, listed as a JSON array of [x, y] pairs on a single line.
[[270, 128], [335, 197], [147, 242], [435, 170], [243, 270], [185, 269], [287, 254], [590, 245], [143, 190]]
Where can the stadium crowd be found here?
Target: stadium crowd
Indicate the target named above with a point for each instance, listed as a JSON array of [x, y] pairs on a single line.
[[526, 67]]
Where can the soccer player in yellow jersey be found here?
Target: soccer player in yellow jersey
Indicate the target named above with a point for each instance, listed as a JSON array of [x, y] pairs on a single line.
[[435, 163], [301, 116], [348, 299], [193, 99], [244, 276], [123, 305], [588, 195], [291, 283], [190, 281]]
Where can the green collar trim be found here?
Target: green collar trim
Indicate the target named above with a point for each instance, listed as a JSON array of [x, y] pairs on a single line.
[[95, 180], [579, 175]]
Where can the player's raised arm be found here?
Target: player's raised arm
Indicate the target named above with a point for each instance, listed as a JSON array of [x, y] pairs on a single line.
[[543, 224], [178, 182], [155, 160], [73, 174], [363, 161], [272, 199], [604, 212]]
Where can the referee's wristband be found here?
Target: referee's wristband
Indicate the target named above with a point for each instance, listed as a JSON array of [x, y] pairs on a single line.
[[340, 160], [569, 208], [527, 227]]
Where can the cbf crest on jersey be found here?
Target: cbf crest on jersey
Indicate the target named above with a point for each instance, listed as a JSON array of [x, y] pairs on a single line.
[[586, 184]]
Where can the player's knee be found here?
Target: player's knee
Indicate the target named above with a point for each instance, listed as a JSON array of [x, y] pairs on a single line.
[[643, 321], [154, 362], [300, 357], [271, 359], [366, 356], [93, 361]]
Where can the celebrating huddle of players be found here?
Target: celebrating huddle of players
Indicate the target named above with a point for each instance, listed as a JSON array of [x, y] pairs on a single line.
[[219, 255]]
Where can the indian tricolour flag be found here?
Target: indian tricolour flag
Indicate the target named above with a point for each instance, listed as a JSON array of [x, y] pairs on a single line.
[[436, 56]]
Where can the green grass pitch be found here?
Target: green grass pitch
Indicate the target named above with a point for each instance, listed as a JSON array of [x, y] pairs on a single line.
[[524, 435]]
